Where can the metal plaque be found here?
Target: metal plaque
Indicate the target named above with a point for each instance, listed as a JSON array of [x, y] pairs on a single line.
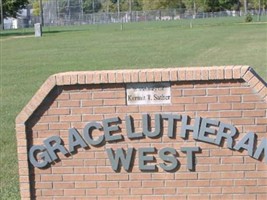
[[148, 93]]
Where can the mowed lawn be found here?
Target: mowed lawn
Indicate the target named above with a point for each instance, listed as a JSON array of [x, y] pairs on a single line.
[[26, 62]]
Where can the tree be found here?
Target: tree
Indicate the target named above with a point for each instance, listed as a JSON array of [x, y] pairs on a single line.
[[11, 8], [161, 4], [91, 6]]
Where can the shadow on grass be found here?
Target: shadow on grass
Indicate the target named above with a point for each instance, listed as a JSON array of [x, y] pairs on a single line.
[[28, 32]]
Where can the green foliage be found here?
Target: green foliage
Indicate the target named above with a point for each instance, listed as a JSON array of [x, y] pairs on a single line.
[[248, 18], [112, 5], [91, 6], [36, 8], [11, 7]]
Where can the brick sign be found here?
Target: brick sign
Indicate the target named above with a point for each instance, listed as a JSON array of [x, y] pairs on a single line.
[[179, 133]]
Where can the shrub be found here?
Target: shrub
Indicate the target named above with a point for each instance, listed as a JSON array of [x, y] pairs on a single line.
[[248, 18]]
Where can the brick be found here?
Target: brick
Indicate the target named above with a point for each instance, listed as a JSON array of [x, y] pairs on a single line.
[[254, 113], [195, 92], [245, 182], [74, 192], [130, 184], [209, 160], [162, 191], [150, 76], [221, 167], [255, 174], [80, 96], [59, 111], [153, 108], [85, 184], [188, 190], [128, 109], [223, 182], [189, 74], [243, 121], [243, 106], [212, 73], [152, 184], [139, 176], [63, 96], [181, 74], [237, 72], [108, 184], [114, 102], [76, 111], [175, 108], [230, 114], [63, 185], [70, 118], [67, 104], [142, 191], [155, 197], [95, 177], [51, 178], [221, 196], [108, 197], [62, 170], [186, 176], [53, 192], [142, 76], [253, 81], [84, 170], [59, 126], [232, 175], [135, 76], [44, 185], [233, 190], [218, 92], [197, 74], [173, 75], [209, 175], [73, 177], [47, 119], [196, 107], [185, 100], [224, 99], [198, 183], [205, 99], [104, 110], [210, 190], [220, 106], [114, 177], [64, 198], [165, 75], [104, 95], [197, 197], [251, 98], [204, 74], [256, 189], [91, 103], [245, 196], [175, 183], [240, 91], [118, 191]]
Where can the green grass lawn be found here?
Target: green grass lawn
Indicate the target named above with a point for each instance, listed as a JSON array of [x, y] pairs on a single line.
[[26, 62]]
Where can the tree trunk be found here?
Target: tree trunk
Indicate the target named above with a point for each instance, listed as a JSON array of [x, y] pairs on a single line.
[[245, 6], [2, 15]]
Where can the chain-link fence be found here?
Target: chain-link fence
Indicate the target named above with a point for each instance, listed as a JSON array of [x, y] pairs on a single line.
[[52, 18], [135, 16]]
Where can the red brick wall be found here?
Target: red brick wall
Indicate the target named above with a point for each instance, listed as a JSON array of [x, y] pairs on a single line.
[[233, 95]]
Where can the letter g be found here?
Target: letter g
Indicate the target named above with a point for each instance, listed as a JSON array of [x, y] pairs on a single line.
[[42, 153]]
